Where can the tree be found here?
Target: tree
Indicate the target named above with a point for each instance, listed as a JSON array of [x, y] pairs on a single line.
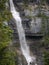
[[5, 31], [46, 58], [6, 56]]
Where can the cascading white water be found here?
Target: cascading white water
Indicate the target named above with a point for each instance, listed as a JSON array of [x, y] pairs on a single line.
[[24, 46]]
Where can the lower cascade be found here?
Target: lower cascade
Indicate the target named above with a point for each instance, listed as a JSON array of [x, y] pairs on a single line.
[[23, 44]]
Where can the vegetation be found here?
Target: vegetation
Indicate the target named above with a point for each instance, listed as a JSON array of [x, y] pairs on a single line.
[[7, 55], [45, 29]]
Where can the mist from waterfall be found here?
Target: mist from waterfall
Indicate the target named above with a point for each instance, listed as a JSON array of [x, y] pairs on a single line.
[[24, 46]]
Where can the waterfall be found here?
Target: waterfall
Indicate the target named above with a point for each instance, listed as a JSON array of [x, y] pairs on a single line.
[[24, 46]]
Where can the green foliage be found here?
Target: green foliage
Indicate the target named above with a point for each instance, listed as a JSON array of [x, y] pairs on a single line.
[[46, 58], [5, 31], [4, 16], [25, 1], [7, 57], [5, 35], [45, 31], [4, 11]]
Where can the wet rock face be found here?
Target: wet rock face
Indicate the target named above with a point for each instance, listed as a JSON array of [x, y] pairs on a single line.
[[33, 1], [47, 1], [30, 1], [17, 0], [32, 63]]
